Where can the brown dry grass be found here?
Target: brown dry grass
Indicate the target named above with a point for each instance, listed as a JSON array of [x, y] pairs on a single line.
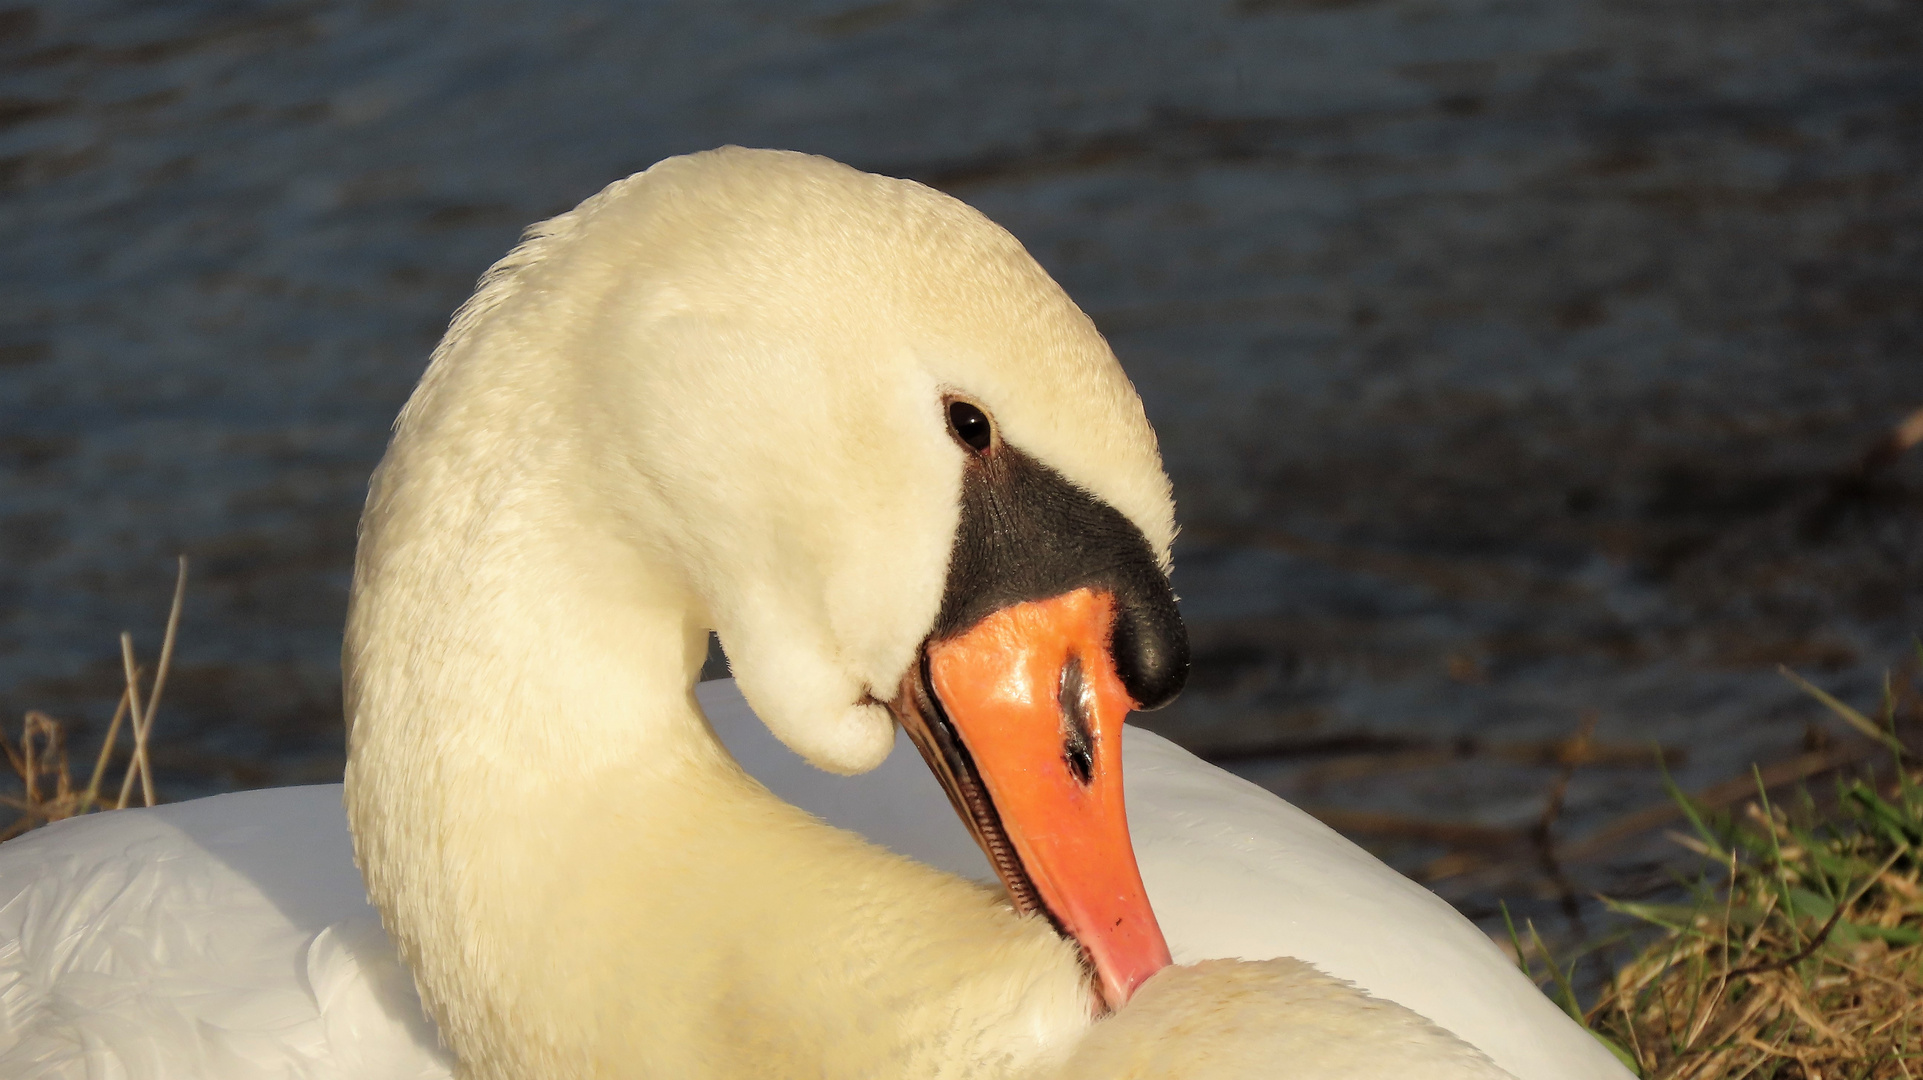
[[48, 791]]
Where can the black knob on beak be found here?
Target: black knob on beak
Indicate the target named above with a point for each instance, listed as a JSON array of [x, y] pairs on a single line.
[[1028, 533], [1150, 644]]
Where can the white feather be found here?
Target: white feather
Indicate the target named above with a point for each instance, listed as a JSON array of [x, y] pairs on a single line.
[[226, 939]]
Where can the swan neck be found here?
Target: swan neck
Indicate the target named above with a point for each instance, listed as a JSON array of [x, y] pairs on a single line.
[[581, 878]]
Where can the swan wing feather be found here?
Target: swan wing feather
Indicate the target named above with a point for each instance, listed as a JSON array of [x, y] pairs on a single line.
[[225, 939]]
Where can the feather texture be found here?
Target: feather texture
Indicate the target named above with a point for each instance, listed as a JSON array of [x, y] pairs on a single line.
[[229, 938]]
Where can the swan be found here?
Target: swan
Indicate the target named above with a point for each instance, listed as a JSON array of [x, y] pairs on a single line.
[[849, 425]]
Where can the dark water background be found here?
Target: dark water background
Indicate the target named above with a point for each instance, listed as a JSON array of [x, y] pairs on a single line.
[[1512, 358]]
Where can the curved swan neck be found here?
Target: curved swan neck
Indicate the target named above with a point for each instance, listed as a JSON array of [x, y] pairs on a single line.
[[490, 543], [582, 880]]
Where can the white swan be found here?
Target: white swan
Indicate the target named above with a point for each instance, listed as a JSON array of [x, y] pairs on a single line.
[[742, 390]]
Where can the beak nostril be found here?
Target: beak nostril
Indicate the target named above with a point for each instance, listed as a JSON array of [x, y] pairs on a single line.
[[1080, 762], [1078, 743]]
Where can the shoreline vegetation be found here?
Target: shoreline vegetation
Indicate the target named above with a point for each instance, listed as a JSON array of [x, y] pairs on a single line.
[[1794, 953], [48, 790], [1797, 952]]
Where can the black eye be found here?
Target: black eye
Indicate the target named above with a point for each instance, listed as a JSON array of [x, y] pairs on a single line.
[[970, 425]]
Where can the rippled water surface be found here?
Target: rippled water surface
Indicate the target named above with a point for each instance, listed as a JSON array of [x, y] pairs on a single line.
[[1513, 358]]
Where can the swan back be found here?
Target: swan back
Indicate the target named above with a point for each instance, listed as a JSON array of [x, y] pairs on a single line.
[[221, 939]]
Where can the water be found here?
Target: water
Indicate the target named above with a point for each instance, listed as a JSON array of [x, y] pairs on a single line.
[[1506, 354]]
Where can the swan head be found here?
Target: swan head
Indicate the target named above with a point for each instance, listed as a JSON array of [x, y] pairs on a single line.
[[901, 476]]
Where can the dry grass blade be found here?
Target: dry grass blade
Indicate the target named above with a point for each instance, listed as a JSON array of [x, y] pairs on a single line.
[[1850, 716], [143, 718], [139, 767], [40, 758], [107, 744]]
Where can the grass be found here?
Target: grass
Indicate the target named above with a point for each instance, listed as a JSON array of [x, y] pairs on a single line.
[[39, 757], [1799, 953]]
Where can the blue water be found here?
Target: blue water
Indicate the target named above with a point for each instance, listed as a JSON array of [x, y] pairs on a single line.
[[1505, 354]]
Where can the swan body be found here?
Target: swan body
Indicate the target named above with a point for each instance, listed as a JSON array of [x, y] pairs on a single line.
[[184, 942], [850, 426], [230, 938]]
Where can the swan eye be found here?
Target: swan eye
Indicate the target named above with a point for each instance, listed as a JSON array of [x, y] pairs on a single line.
[[970, 425]]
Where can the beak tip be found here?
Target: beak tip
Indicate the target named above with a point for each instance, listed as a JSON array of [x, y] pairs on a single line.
[[1004, 710]]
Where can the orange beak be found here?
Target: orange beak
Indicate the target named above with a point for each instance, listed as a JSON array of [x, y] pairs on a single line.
[[1020, 716]]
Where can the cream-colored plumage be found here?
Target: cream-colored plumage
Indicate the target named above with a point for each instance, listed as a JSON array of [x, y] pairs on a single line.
[[694, 402], [709, 397], [1271, 1018]]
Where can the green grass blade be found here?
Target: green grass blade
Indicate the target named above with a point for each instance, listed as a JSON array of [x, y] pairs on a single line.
[[1515, 942], [1709, 839], [1565, 992], [1849, 716], [1629, 1061]]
